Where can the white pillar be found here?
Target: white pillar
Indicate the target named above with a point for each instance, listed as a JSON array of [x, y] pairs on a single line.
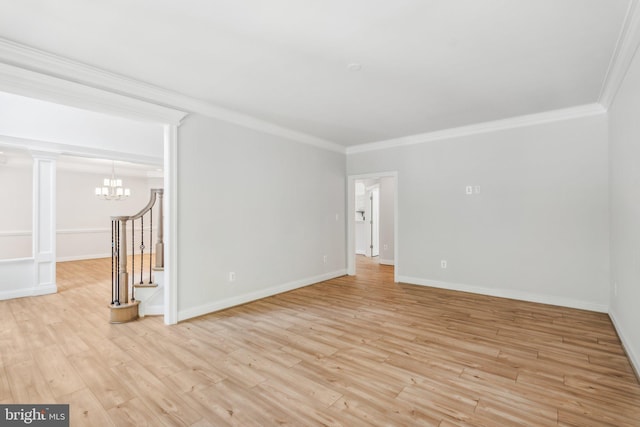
[[44, 222], [170, 224]]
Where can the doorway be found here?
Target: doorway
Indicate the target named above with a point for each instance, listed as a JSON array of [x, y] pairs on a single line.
[[367, 218], [373, 220]]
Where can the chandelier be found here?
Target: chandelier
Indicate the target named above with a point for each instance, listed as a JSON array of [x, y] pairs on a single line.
[[112, 188]]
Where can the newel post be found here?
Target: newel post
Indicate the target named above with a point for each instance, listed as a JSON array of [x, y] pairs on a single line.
[[160, 242], [124, 274]]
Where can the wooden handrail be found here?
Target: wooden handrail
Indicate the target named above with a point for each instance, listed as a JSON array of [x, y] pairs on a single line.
[[154, 193], [120, 273]]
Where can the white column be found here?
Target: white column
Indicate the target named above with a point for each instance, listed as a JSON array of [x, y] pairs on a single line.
[[44, 222], [171, 224]]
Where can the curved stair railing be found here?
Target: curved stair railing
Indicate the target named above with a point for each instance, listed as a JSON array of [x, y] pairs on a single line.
[[125, 308]]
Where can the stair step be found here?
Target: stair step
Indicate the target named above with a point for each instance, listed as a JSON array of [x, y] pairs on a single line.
[[146, 285], [124, 312]]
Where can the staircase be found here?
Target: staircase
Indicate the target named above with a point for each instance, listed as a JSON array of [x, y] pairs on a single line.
[[138, 291]]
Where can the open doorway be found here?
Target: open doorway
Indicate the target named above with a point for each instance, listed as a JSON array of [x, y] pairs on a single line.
[[373, 221], [88, 124], [368, 218]]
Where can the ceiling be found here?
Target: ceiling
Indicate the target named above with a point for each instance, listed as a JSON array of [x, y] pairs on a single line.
[[425, 65]]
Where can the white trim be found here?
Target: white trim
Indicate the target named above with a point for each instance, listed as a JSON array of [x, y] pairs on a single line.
[[253, 296], [44, 218], [42, 75], [64, 231], [144, 295], [83, 230], [21, 81], [626, 344], [29, 292], [386, 261], [99, 80], [361, 252], [171, 224], [508, 293], [351, 221], [153, 310], [260, 125], [74, 150], [83, 257], [94, 230], [479, 128], [16, 260], [626, 48], [16, 233]]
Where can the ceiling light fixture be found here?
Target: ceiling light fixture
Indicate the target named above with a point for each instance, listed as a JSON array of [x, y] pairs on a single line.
[[112, 188]]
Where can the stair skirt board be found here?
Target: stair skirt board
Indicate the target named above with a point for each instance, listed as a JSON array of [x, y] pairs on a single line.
[[151, 310]]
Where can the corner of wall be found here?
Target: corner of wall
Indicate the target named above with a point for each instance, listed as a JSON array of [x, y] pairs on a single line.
[[634, 359]]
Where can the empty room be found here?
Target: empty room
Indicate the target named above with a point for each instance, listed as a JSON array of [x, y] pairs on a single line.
[[308, 213]]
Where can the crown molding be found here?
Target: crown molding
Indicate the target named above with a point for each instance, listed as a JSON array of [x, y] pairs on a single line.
[[33, 62], [40, 86], [625, 50], [479, 128], [38, 74]]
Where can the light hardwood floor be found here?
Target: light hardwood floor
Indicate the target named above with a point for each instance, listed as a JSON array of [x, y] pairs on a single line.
[[350, 351]]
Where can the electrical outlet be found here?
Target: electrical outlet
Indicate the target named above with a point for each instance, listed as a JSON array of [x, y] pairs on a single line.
[[386, 247], [468, 189], [232, 276], [324, 259], [476, 189], [443, 263]]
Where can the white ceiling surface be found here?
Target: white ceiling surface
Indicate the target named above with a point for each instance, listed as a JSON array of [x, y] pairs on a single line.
[[63, 126], [427, 65]]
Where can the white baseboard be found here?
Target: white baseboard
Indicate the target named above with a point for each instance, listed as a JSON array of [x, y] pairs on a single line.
[[83, 257], [253, 296], [386, 261], [153, 310], [361, 252], [90, 256], [626, 343], [509, 293], [29, 292]]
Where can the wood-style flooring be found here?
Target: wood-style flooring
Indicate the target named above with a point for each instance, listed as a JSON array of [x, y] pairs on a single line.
[[352, 351]]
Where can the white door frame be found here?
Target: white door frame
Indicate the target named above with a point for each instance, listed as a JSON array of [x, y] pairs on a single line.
[[373, 220], [351, 221]]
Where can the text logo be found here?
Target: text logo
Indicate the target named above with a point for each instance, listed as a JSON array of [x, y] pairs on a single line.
[[34, 415]]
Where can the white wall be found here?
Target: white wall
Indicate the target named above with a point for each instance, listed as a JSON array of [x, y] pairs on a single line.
[[15, 215], [83, 228], [257, 205], [387, 206], [537, 231], [84, 221], [624, 137]]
